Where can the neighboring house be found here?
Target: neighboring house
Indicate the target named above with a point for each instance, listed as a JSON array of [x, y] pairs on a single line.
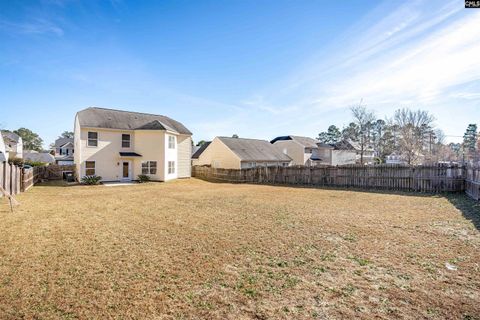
[[36, 156], [394, 158], [198, 152], [336, 154], [3, 150], [13, 144], [120, 145], [64, 151], [368, 152], [240, 153], [302, 150]]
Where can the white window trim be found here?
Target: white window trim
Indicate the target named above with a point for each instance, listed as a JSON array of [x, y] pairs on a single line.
[[94, 168], [173, 139], [88, 139], [129, 141], [172, 167], [149, 167]]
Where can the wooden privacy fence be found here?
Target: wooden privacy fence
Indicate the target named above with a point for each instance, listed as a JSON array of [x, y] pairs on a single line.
[[389, 177], [10, 178], [15, 179], [472, 182], [32, 176], [55, 171]]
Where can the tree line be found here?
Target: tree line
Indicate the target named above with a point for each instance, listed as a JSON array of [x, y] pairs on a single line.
[[410, 135], [33, 141]]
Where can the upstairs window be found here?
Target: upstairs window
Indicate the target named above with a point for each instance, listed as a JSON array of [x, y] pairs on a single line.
[[149, 167], [125, 141], [171, 142], [92, 139]]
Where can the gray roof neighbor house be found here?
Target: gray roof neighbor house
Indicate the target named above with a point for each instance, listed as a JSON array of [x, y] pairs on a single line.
[[200, 150], [36, 156], [125, 120], [304, 141], [10, 136], [254, 149], [60, 142]]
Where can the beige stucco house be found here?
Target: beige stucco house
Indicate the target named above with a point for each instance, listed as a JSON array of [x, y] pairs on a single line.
[[120, 145], [302, 150], [240, 153]]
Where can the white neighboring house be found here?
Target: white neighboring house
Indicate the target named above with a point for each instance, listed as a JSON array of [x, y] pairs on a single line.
[[13, 144], [36, 156], [120, 145], [3, 150], [368, 152], [395, 158], [302, 150], [336, 154], [64, 151]]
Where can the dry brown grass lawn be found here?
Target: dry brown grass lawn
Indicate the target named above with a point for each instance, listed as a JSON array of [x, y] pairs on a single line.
[[192, 249]]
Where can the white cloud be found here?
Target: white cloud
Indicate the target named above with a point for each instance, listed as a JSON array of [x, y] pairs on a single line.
[[34, 26], [418, 56]]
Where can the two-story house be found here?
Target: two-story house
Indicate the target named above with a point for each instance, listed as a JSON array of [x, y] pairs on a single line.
[[64, 150], [13, 144], [120, 145], [302, 150]]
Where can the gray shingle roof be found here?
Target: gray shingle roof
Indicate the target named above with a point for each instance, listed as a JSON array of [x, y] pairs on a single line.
[[200, 150], [62, 141], [126, 120], [254, 150], [10, 136], [39, 156], [304, 141]]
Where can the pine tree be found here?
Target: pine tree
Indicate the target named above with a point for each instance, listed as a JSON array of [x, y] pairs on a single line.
[[470, 138], [333, 135]]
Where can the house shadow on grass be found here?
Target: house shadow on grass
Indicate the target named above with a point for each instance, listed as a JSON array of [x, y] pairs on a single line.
[[470, 208], [56, 183]]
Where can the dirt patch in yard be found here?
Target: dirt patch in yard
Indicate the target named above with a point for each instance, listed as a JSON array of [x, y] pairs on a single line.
[[190, 249]]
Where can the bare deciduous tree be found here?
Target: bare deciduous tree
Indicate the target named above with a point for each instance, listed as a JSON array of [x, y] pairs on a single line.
[[413, 126], [364, 119]]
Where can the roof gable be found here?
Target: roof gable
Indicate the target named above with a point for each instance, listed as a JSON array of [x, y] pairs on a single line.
[[60, 142], [200, 150], [11, 136]]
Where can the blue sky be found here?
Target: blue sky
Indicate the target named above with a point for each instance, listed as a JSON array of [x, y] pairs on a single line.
[[256, 68]]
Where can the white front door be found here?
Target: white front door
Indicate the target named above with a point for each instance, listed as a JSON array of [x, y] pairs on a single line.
[[126, 170]]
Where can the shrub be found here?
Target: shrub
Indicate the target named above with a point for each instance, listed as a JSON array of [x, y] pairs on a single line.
[[143, 178], [34, 163], [16, 161], [91, 180]]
